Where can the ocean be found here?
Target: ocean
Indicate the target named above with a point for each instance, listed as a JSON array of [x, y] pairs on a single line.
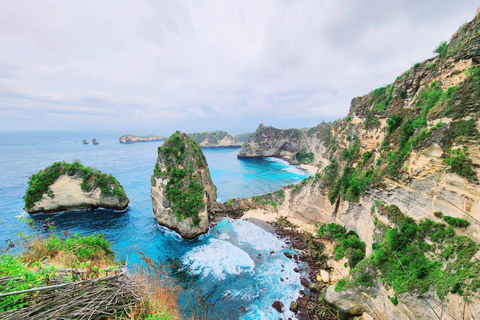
[[233, 265]]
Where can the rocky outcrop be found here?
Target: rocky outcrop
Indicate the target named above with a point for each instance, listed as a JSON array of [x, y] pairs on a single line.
[[243, 137], [128, 138], [412, 144], [215, 139], [182, 190], [95, 142], [71, 186]]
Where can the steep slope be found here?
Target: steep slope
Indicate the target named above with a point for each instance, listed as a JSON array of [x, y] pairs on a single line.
[[411, 147]]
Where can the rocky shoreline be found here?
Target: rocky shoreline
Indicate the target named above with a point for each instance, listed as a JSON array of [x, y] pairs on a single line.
[[309, 304]]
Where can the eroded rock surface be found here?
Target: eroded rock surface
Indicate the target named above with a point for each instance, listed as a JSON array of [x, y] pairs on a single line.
[[182, 190]]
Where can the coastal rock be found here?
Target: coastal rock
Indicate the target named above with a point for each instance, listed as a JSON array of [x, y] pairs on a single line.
[[278, 305], [242, 137], [95, 142], [85, 141], [71, 186], [128, 138], [182, 189], [214, 139], [293, 306]]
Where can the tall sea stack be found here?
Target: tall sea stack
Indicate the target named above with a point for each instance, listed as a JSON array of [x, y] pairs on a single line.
[[182, 188]]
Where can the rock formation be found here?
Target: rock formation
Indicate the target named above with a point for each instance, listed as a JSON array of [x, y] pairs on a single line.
[[85, 141], [95, 142], [242, 137], [182, 189], [128, 138], [214, 139], [71, 186], [412, 146]]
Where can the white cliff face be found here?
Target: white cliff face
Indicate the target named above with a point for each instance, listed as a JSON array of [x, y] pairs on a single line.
[[68, 195]]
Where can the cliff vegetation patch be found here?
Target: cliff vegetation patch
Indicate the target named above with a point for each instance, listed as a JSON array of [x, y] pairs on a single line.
[[418, 257]]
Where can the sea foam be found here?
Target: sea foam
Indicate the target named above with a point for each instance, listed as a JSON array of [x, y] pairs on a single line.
[[217, 259]]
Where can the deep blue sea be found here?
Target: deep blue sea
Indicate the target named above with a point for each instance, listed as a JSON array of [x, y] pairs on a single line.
[[232, 265]]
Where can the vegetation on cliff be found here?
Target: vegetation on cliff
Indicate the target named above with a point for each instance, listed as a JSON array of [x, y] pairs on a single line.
[[418, 257], [183, 188], [39, 183]]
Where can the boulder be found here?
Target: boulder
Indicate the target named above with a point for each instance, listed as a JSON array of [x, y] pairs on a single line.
[[182, 189], [277, 305]]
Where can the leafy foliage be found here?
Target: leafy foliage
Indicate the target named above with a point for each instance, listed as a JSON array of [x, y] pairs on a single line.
[[461, 165], [347, 243], [441, 49], [305, 157], [405, 261], [456, 222]]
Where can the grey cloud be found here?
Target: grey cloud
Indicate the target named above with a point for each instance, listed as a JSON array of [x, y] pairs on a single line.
[[200, 64]]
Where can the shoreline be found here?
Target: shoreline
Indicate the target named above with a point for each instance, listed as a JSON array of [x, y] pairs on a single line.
[[268, 216], [309, 302]]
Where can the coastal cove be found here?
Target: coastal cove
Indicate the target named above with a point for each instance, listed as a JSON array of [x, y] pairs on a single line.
[[233, 264]]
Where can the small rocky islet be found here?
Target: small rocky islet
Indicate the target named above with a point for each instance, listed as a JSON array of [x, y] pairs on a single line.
[[72, 186]]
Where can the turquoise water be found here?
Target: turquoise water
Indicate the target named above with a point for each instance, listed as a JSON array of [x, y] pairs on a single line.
[[232, 264]]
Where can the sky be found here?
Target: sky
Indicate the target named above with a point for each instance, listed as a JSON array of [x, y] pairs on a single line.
[[156, 66]]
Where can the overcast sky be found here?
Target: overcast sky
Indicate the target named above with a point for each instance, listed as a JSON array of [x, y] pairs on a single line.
[[153, 66]]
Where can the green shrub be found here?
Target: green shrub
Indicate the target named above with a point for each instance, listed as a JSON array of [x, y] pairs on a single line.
[[347, 243], [305, 157], [456, 222], [393, 123], [461, 165], [441, 49]]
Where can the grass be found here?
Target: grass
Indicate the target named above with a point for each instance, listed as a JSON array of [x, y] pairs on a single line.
[[39, 183]]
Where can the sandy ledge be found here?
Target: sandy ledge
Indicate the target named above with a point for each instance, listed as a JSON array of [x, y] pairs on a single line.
[[271, 216]]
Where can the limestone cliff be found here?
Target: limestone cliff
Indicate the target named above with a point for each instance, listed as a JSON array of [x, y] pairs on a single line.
[[412, 146], [70, 186], [214, 139], [128, 138], [182, 190]]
